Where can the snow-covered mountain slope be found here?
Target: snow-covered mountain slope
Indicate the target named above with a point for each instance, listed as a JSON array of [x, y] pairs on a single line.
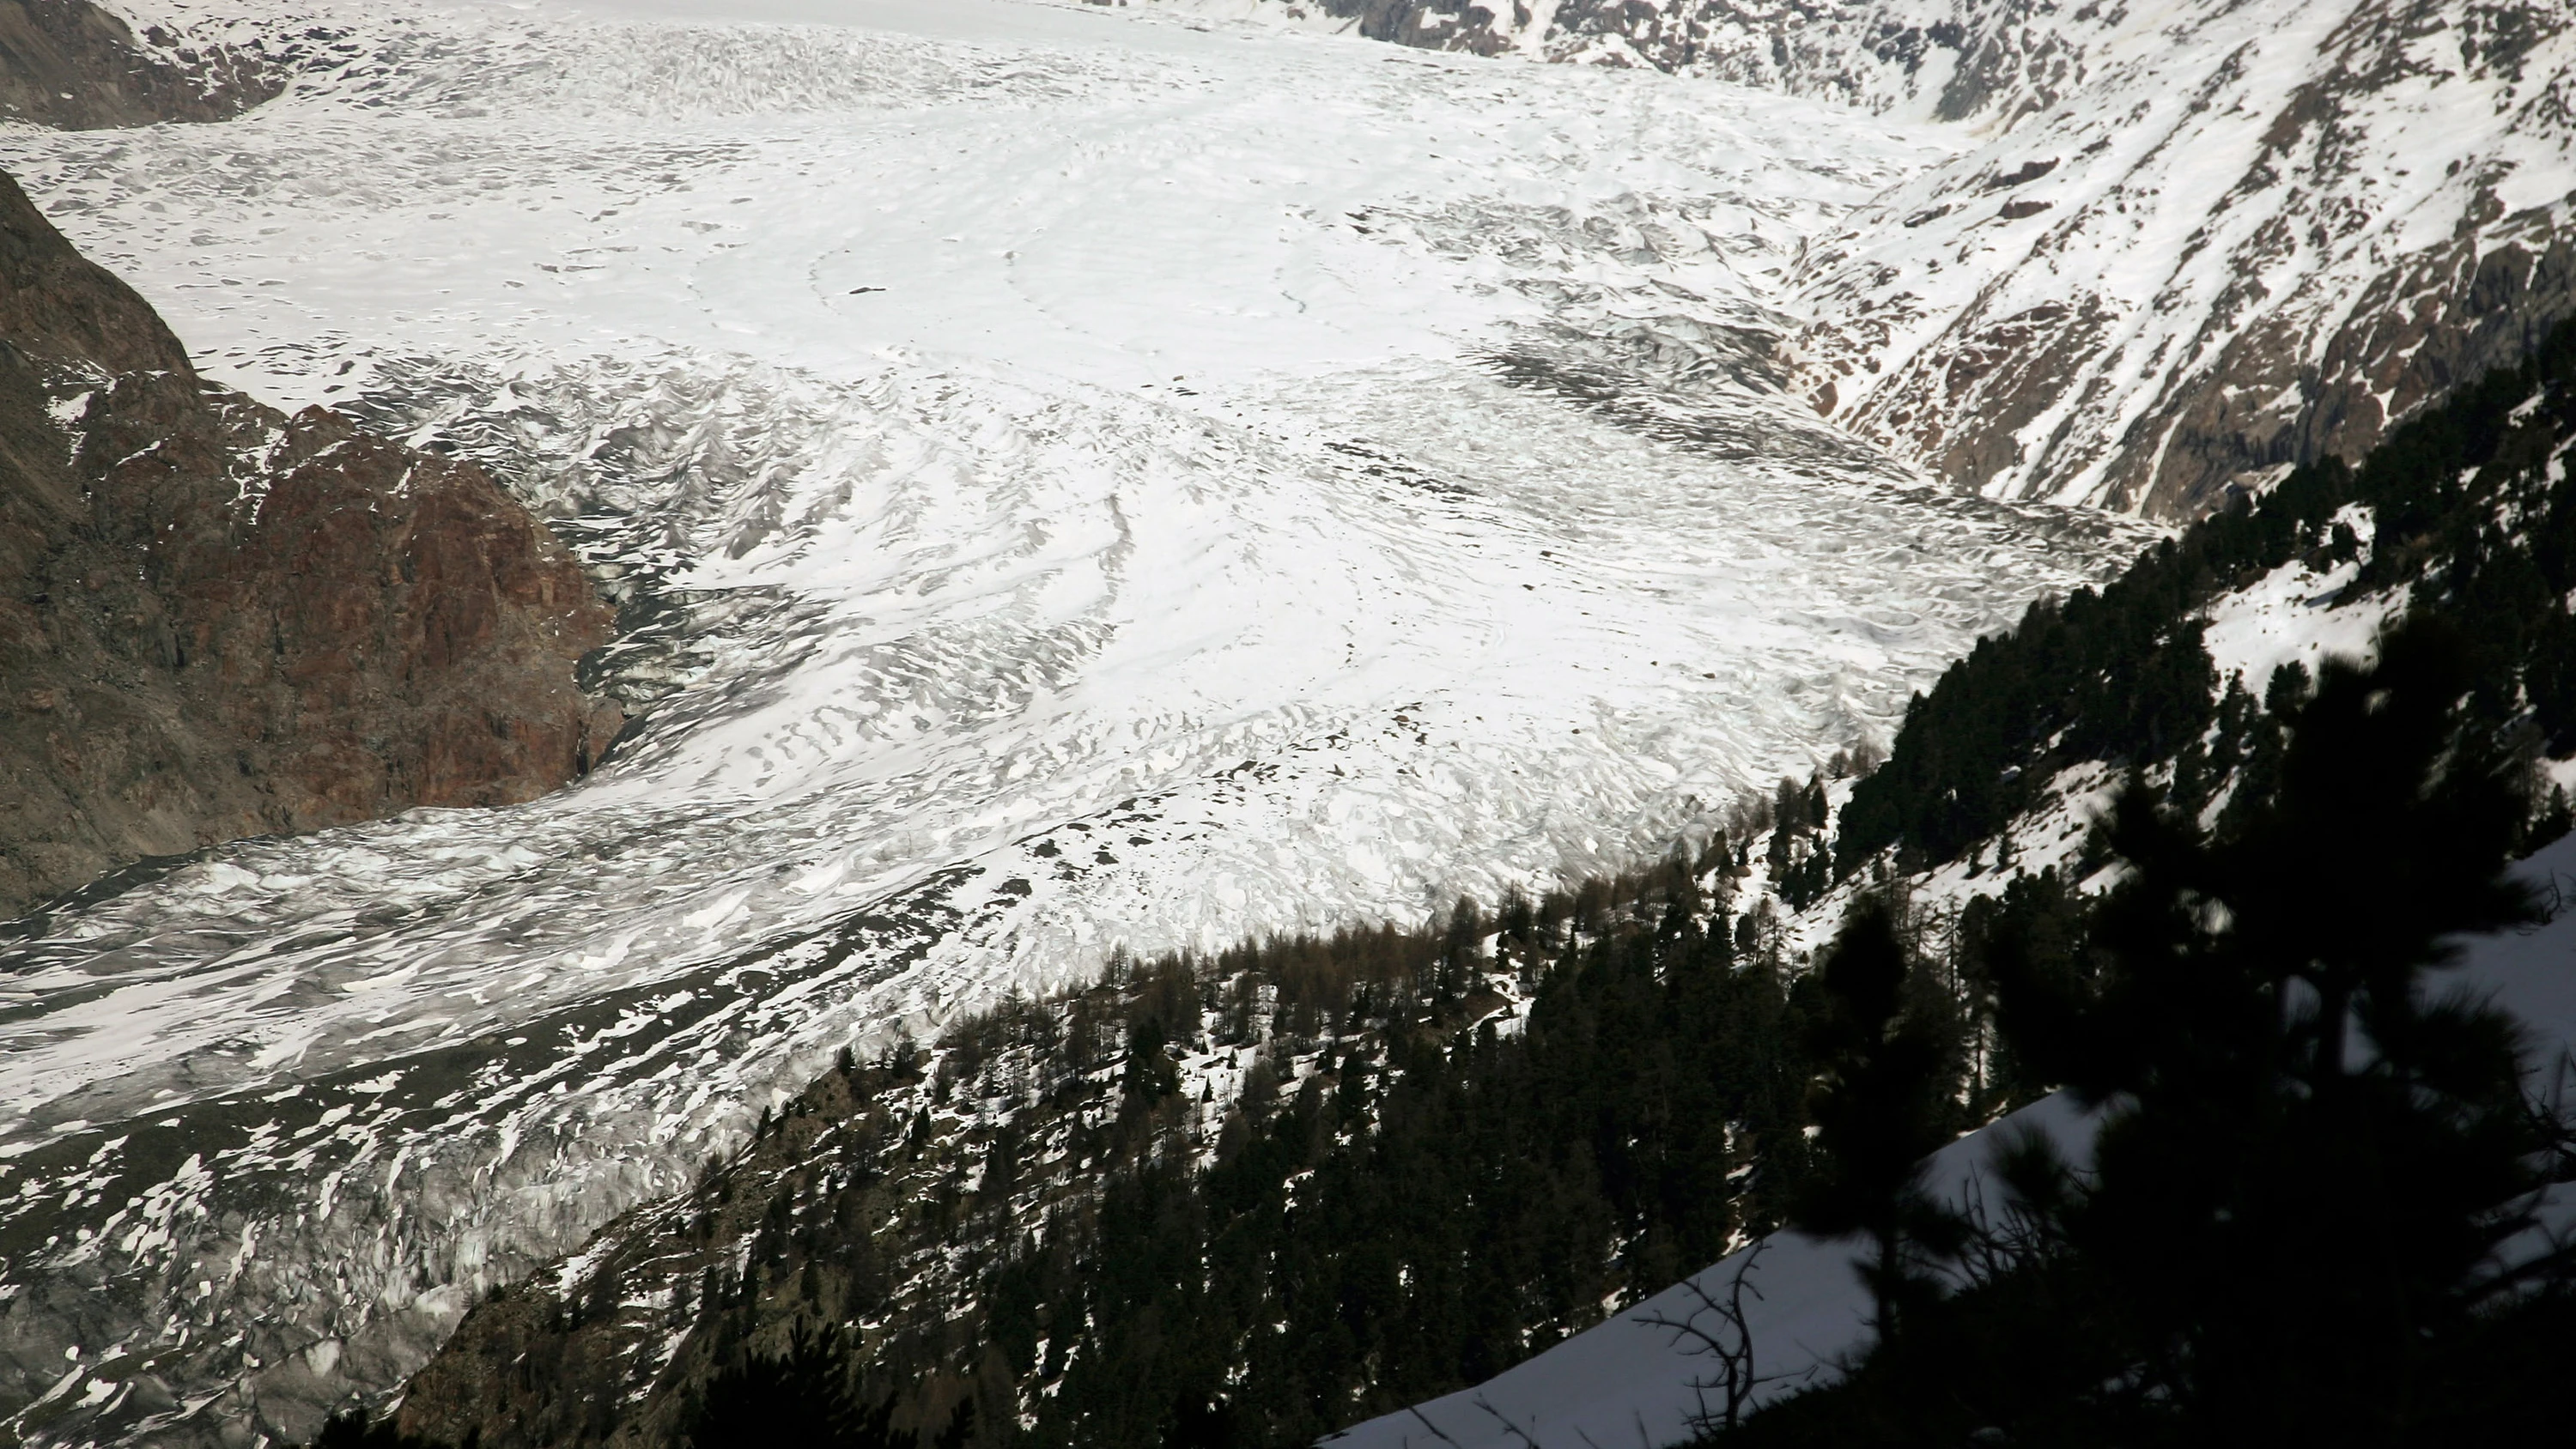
[[2467, 514], [1073, 484], [2188, 241], [2249, 236], [1636, 1379]]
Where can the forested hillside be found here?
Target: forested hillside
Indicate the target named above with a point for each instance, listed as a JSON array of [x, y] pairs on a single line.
[[2322, 1193], [1240, 1200], [2467, 513], [2195, 854]]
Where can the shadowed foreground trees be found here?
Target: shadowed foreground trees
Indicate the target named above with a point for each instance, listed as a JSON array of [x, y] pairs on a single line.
[[1883, 1102], [2313, 1146]]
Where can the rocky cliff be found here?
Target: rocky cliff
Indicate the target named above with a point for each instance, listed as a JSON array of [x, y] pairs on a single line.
[[2228, 239], [67, 63], [219, 621]]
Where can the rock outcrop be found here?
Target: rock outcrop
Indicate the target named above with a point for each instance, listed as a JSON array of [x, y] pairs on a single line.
[[69, 64], [219, 621]]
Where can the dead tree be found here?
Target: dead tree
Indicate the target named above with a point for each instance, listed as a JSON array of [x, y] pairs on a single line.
[[1718, 1330]]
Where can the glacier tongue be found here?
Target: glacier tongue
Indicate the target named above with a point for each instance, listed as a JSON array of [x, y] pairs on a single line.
[[1074, 485]]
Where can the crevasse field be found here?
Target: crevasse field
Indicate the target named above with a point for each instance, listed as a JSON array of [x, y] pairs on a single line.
[[1075, 481]]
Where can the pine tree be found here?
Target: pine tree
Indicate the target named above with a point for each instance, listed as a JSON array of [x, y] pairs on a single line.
[[1151, 1073], [801, 1397], [2308, 1151], [1881, 1104]]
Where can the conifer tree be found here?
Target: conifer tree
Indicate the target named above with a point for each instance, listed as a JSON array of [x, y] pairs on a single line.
[[2309, 1149], [1151, 1074], [802, 1397], [1881, 1104]]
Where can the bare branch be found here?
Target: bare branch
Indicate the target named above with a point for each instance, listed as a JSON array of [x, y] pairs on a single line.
[[1427, 1424], [1729, 1341], [1515, 1430]]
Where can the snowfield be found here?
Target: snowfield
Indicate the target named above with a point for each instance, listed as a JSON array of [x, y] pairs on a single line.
[[1075, 482]]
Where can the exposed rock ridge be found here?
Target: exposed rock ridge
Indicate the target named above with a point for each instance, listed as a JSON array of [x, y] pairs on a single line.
[[72, 65], [1993, 61], [218, 621]]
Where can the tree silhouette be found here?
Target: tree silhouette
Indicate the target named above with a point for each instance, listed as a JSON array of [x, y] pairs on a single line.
[[802, 1397], [2308, 1151], [1881, 1105]]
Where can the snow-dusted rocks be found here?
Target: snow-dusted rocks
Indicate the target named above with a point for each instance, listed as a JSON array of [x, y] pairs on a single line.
[[218, 621], [72, 64], [2242, 237]]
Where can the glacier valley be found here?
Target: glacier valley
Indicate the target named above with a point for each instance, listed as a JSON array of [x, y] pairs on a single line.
[[1073, 481]]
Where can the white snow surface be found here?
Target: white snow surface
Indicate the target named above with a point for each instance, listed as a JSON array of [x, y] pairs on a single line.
[[1634, 1381], [1081, 484], [2296, 615]]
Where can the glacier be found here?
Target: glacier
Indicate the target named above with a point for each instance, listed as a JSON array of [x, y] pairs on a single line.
[[1073, 481], [2185, 244]]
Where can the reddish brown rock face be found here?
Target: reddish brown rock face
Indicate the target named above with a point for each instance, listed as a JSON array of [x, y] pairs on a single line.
[[218, 621]]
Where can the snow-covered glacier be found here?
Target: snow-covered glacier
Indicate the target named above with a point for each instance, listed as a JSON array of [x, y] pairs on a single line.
[[1074, 481]]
